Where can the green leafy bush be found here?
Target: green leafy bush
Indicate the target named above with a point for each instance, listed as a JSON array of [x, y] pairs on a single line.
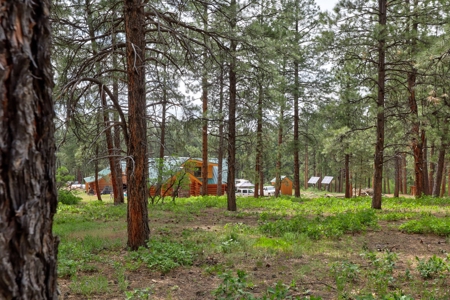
[[238, 288], [432, 268], [319, 227], [428, 224], [68, 198], [163, 255]]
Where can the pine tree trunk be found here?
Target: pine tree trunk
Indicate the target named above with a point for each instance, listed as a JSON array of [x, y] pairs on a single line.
[[137, 165], [417, 143], [439, 171], [259, 144], [432, 168], [220, 151], [28, 196], [379, 144], [305, 163], [296, 125], [444, 182], [426, 186], [397, 175], [204, 190], [347, 177], [162, 140], [96, 170], [110, 146], [117, 146], [400, 173], [231, 179], [405, 178], [117, 154], [278, 160]]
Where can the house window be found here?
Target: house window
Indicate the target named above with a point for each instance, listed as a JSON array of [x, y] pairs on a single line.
[[198, 172]]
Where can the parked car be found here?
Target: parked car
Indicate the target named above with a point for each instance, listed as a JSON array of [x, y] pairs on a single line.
[[269, 190], [106, 190], [245, 192], [76, 185]]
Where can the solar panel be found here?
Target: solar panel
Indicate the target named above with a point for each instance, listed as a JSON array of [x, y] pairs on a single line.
[[327, 179], [313, 180]]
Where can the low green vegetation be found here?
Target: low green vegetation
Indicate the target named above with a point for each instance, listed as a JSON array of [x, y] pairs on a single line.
[[287, 248]]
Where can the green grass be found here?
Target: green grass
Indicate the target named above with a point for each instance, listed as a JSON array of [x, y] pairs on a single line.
[[293, 239]]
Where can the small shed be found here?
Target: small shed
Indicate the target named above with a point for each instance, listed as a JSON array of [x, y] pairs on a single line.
[[286, 185]]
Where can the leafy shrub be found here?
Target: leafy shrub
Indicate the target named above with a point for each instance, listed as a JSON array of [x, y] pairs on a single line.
[[68, 198], [163, 255], [434, 267], [319, 227], [382, 275], [428, 224], [237, 288]]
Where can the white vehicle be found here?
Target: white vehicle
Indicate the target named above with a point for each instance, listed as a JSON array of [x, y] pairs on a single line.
[[245, 192], [76, 185], [269, 190]]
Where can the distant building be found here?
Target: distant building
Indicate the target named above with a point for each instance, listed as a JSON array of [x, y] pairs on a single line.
[[183, 175], [285, 186], [104, 179]]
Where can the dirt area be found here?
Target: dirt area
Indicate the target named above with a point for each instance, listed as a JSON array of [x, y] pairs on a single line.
[[308, 272]]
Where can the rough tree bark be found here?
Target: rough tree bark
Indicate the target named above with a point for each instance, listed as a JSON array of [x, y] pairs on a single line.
[[137, 164], [28, 195], [379, 144], [231, 175]]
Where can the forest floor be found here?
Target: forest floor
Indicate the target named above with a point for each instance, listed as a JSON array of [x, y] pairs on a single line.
[[305, 267]]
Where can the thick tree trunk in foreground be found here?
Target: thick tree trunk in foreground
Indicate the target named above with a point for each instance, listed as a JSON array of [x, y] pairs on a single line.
[[137, 165], [379, 144], [27, 154]]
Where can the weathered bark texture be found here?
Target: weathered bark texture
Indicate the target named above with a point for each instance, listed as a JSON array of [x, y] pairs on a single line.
[[231, 175], [379, 144], [137, 165], [28, 195]]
